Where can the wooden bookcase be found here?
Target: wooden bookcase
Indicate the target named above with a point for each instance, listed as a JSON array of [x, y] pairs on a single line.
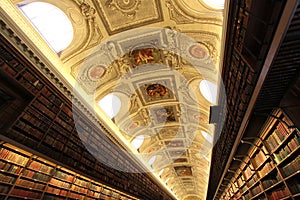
[[45, 123], [272, 168], [24, 175]]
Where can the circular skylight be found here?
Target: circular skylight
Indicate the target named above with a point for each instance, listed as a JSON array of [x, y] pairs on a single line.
[[138, 141], [110, 104], [51, 22], [209, 91], [216, 4], [207, 137]]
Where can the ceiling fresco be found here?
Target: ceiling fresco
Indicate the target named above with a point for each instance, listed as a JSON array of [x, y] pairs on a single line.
[[151, 56]]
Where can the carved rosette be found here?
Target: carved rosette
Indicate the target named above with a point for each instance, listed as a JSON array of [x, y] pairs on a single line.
[[127, 7]]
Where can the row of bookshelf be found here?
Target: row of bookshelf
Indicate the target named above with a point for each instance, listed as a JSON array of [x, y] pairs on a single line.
[[271, 171], [38, 179], [35, 175], [31, 184], [29, 81], [291, 167], [40, 166], [278, 192], [47, 125], [29, 194], [271, 179], [10, 167], [294, 184]]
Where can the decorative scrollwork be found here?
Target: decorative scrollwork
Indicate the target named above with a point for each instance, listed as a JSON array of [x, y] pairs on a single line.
[[87, 10], [127, 7]]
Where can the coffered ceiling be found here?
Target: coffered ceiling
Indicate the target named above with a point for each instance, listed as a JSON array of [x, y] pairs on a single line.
[[152, 56]]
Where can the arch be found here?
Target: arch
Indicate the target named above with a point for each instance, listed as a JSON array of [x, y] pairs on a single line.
[[207, 136], [138, 141], [151, 160], [51, 22], [209, 90], [216, 4], [80, 16], [110, 104]]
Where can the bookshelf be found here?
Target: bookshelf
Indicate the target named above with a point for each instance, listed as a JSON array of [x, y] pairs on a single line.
[[24, 175], [44, 123], [272, 168]]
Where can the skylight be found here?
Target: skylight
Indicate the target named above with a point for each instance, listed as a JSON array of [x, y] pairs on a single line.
[[51, 22], [151, 161], [217, 4], [207, 137], [209, 91], [160, 172], [138, 141], [110, 104]]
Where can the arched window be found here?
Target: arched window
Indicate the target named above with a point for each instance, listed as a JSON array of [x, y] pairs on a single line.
[[160, 172], [138, 141], [207, 137], [216, 4], [151, 160], [51, 22], [209, 91], [110, 104]]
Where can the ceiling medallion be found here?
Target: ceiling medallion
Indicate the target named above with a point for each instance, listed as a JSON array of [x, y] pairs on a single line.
[[96, 72], [198, 51]]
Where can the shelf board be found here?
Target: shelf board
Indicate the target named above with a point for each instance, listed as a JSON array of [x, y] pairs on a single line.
[[273, 186], [288, 156], [258, 194], [286, 139]]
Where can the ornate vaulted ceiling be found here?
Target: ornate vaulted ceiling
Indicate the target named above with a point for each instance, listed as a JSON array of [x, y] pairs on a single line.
[[152, 55]]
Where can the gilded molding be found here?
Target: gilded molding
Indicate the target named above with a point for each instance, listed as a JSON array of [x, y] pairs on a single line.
[[181, 17], [127, 7]]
